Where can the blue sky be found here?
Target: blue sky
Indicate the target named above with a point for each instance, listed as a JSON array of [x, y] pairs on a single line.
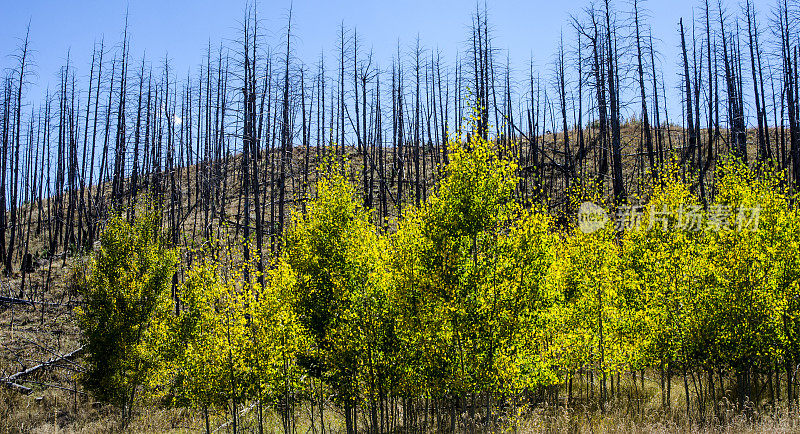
[[182, 29]]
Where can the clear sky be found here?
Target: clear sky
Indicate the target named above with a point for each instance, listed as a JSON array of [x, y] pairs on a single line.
[[183, 29]]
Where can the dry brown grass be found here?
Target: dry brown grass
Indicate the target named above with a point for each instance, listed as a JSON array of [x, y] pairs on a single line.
[[52, 410], [618, 421]]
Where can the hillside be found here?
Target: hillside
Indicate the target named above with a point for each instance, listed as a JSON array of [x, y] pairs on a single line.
[[37, 314]]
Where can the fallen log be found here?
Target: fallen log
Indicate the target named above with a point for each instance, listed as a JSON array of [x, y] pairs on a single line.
[[18, 387], [11, 380], [11, 300]]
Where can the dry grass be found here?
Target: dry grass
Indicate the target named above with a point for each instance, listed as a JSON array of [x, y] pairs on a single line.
[[563, 420], [52, 410]]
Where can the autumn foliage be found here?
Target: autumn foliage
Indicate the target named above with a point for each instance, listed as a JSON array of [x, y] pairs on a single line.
[[474, 305]]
